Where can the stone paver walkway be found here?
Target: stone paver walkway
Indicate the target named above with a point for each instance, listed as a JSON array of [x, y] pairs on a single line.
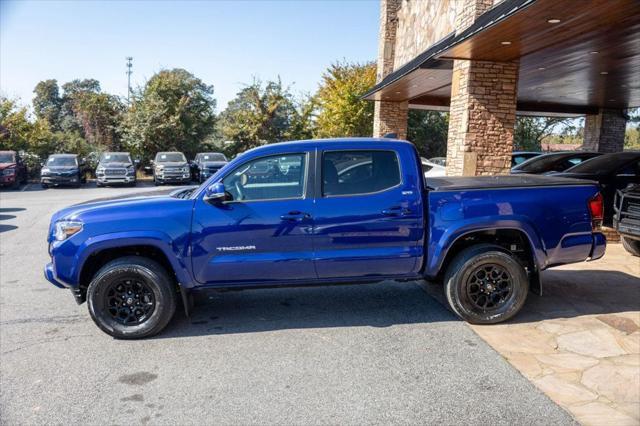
[[580, 341]]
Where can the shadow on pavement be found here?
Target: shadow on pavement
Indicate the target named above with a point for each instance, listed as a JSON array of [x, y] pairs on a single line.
[[251, 311], [12, 209], [572, 293], [5, 228]]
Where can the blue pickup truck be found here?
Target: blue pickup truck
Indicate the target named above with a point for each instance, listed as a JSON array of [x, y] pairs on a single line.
[[317, 213]]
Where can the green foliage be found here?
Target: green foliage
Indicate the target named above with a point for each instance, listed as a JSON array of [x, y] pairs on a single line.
[[15, 125], [428, 131], [174, 111], [341, 110], [261, 114], [47, 103], [531, 131], [73, 92], [99, 115]]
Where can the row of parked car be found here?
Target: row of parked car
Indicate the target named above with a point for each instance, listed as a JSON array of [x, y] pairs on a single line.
[[113, 168]]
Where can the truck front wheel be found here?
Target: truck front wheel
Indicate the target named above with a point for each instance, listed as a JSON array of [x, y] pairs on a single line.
[[484, 284], [131, 297]]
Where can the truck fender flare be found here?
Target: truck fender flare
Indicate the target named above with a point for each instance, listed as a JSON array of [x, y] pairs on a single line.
[[155, 239], [438, 250]]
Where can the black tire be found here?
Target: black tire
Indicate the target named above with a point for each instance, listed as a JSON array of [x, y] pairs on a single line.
[[102, 295], [99, 184], [492, 300], [632, 246], [44, 185]]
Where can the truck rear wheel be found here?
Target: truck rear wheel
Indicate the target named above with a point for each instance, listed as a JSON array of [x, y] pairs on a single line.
[[484, 284], [632, 246], [131, 297]]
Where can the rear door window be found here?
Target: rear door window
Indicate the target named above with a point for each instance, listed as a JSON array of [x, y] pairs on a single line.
[[359, 172]]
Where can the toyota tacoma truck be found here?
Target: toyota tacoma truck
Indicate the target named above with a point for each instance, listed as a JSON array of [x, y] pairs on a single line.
[[317, 213]]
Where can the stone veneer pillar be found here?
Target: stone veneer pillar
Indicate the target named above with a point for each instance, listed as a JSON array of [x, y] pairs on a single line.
[[389, 117], [604, 132], [482, 114]]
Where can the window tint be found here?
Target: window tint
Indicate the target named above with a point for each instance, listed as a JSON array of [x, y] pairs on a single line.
[[268, 178], [359, 172]]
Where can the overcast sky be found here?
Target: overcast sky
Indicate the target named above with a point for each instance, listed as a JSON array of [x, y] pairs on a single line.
[[225, 43]]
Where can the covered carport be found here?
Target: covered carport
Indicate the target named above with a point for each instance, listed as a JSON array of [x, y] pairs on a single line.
[[535, 57]]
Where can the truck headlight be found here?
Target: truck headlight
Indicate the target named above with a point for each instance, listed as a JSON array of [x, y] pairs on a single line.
[[100, 170], [67, 228], [45, 171]]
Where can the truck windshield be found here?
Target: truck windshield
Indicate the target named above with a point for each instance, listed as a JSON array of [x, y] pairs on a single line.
[[213, 156], [6, 157], [170, 157], [62, 161], [108, 157]]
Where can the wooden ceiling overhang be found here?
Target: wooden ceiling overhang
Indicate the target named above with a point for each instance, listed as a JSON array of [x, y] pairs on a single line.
[[575, 56]]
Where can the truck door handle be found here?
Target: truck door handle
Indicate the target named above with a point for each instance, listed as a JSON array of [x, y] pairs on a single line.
[[295, 216], [396, 211]]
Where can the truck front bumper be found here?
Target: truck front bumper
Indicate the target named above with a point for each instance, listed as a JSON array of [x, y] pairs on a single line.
[[50, 275], [8, 180], [109, 180]]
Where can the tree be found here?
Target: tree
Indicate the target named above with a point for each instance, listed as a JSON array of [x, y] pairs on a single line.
[[47, 102], [530, 131], [174, 110], [341, 109], [99, 116], [14, 125], [73, 92], [260, 114], [428, 131]]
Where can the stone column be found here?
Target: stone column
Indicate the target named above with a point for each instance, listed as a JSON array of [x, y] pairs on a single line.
[[604, 132], [482, 114], [389, 117]]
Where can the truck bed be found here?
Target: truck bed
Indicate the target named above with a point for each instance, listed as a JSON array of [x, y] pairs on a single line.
[[496, 182]]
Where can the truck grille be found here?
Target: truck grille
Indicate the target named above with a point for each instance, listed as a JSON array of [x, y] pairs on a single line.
[[115, 172], [627, 212]]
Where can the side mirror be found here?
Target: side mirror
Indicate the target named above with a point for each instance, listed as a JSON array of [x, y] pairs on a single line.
[[215, 193], [136, 161]]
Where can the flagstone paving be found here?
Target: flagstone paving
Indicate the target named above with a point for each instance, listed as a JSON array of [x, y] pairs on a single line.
[[580, 341]]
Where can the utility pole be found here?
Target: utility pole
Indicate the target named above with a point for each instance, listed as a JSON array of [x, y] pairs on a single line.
[[129, 72]]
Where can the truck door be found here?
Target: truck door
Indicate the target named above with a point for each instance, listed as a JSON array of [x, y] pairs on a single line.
[[263, 234], [368, 218]]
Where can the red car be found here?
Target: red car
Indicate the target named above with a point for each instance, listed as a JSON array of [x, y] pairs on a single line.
[[13, 172]]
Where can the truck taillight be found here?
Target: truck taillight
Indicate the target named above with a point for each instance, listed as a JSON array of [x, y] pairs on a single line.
[[596, 208]]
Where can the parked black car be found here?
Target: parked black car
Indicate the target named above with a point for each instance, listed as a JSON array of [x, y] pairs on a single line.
[[626, 218], [519, 157], [116, 168], [207, 163], [553, 162], [63, 169], [171, 167], [613, 171]]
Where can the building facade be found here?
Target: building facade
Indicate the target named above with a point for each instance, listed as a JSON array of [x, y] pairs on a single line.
[[485, 61]]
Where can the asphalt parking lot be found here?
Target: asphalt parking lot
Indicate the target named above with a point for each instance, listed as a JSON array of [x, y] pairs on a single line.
[[384, 353]]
